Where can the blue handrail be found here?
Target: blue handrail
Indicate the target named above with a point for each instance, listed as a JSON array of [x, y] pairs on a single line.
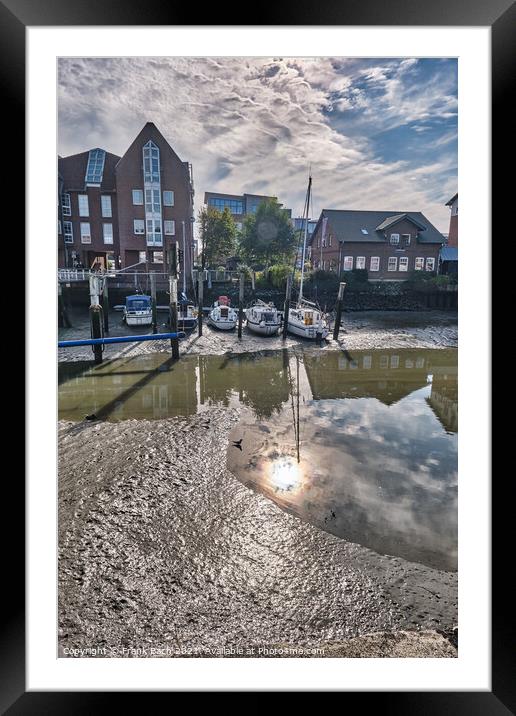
[[120, 339]]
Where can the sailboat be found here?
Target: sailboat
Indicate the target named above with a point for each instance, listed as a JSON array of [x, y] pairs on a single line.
[[305, 318], [263, 318]]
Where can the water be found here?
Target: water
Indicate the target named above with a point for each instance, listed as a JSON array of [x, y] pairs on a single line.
[[364, 446]]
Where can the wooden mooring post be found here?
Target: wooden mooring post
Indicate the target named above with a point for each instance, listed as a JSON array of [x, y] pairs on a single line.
[[200, 289], [174, 342], [62, 313], [240, 303], [96, 315], [338, 311], [287, 306], [105, 304], [153, 302]]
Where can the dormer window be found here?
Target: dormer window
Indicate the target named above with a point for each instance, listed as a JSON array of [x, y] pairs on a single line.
[[395, 238], [95, 168], [364, 231], [406, 239]]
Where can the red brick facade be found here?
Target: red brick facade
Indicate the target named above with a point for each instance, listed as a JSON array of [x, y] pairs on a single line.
[[121, 177], [332, 250]]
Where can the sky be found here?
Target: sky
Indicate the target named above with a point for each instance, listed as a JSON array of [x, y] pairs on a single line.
[[377, 134]]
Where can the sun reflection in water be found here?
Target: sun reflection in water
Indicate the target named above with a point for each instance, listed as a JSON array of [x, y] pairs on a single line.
[[285, 474]]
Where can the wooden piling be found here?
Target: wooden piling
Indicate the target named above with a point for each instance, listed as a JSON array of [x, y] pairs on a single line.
[[105, 304], [200, 288], [62, 313], [240, 304], [153, 302], [96, 316], [338, 311], [174, 342], [286, 307]]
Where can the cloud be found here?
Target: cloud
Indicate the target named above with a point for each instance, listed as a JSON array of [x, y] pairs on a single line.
[[257, 124]]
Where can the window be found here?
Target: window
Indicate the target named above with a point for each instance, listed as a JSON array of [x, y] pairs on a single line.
[[151, 163], [85, 233], [384, 362], [406, 239], [107, 230], [66, 204], [360, 262], [154, 237], [157, 257], [374, 263], [95, 168], [367, 362], [139, 226], [137, 197], [58, 226], [395, 238], [239, 226], [395, 361], [348, 263], [168, 198], [68, 232], [364, 231], [419, 263], [142, 256], [105, 203], [235, 206], [84, 209], [329, 240], [430, 264], [170, 228], [403, 263], [152, 201], [392, 264], [324, 242]]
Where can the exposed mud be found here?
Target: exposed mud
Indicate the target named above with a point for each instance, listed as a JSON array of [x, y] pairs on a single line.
[[360, 330], [162, 548]]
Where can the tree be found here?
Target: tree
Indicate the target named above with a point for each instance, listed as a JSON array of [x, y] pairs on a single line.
[[267, 236], [217, 234]]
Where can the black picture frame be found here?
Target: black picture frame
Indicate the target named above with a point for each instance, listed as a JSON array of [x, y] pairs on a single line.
[[15, 16]]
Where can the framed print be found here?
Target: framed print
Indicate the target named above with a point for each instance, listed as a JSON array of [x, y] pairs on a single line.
[[244, 465]]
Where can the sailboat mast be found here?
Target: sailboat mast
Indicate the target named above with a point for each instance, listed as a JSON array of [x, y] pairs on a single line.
[[307, 206]]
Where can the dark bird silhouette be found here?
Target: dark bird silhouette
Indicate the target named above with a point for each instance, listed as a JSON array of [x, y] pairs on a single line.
[[91, 417], [238, 443]]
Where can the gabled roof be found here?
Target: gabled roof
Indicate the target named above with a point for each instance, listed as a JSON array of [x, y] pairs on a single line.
[[450, 202], [363, 226], [73, 171], [391, 220]]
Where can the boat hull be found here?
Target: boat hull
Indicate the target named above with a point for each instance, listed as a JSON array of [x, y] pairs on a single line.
[[227, 325], [309, 332], [142, 320], [263, 329]]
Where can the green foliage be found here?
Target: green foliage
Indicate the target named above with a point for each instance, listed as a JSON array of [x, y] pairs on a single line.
[[278, 275], [267, 236], [217, 234]]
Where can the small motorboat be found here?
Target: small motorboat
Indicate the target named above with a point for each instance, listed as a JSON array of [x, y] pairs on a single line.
[[138, 310], [263, 318], [306, 320], [186, 313], [222, 316]]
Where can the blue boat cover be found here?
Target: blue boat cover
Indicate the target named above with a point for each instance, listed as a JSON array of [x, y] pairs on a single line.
[[138, 302]]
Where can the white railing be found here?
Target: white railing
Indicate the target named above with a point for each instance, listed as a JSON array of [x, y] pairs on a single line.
[[73, 274]]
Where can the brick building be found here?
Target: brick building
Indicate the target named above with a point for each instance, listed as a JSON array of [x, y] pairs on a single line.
[[389, 244], [453, 233], [117, 212], [240, 205]]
